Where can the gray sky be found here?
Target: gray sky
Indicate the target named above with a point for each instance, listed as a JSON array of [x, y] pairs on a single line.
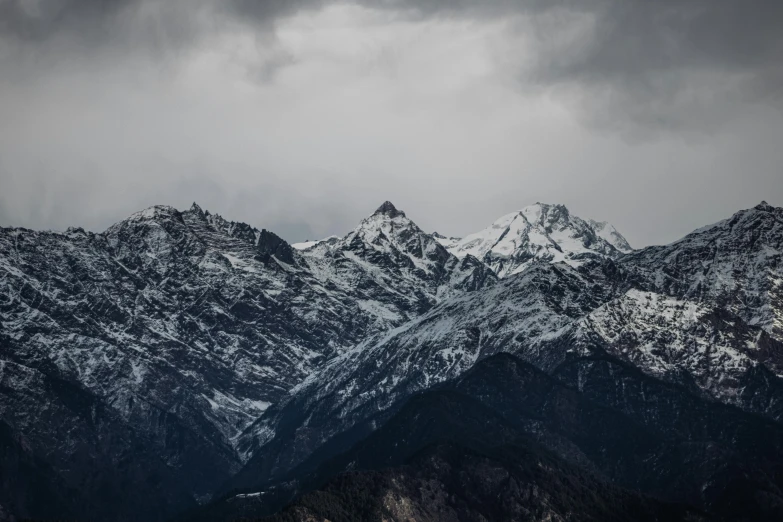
[[303, 116]]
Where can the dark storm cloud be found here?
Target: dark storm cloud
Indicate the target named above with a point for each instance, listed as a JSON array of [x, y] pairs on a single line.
[[636, 37], [97, 23], [37, 34], [37, 21], [681, 64], [666, 64], [677, 63], [87, 28], [107, 21]]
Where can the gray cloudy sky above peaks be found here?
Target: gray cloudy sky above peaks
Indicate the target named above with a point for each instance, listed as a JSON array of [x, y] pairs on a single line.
[[302, 116]]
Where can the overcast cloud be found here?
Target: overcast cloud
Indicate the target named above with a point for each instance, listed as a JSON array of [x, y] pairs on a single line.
[[303, 116]]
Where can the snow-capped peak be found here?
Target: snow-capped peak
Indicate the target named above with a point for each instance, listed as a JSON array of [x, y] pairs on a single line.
[[152, 213], [394, 268], [389, 230], [538, 232], [388, 209]]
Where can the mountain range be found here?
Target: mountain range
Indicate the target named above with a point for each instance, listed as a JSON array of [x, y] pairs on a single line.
[[181, 366]]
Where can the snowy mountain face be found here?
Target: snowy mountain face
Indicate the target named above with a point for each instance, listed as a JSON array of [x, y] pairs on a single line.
[[736, 264], [706, 348], [200, 354], [535, 233], [642, 308], [184, 326], [311, 243], [173, 301], [526, 315], [393, 270]]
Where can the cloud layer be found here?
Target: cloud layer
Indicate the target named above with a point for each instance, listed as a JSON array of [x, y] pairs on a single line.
[[301, 116]]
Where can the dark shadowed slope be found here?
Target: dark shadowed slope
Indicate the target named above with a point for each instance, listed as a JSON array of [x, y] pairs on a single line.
[[607, 419], [446, 456]]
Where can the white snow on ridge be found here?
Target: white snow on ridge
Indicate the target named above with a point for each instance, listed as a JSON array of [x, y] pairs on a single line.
[[304, 245], [538, 232], [446, 242], [480, 243], [239, 263], [608, 233], [664, 335]]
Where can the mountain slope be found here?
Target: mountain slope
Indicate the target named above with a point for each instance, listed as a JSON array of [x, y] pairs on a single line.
[[695, 343], [617, 426], [548, 314], [474, 460], [173, 310], [185, 327], [29, 489], [95, 464], [178, 354], [524, 314], [448, 483], [736, 263]]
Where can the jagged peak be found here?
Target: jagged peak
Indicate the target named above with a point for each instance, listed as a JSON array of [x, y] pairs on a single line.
[[160, 214], [546, 209], [388, 209], [76, 231], [761, 211], [153, 212], [548, 205], [196, 208], [536, 212]]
